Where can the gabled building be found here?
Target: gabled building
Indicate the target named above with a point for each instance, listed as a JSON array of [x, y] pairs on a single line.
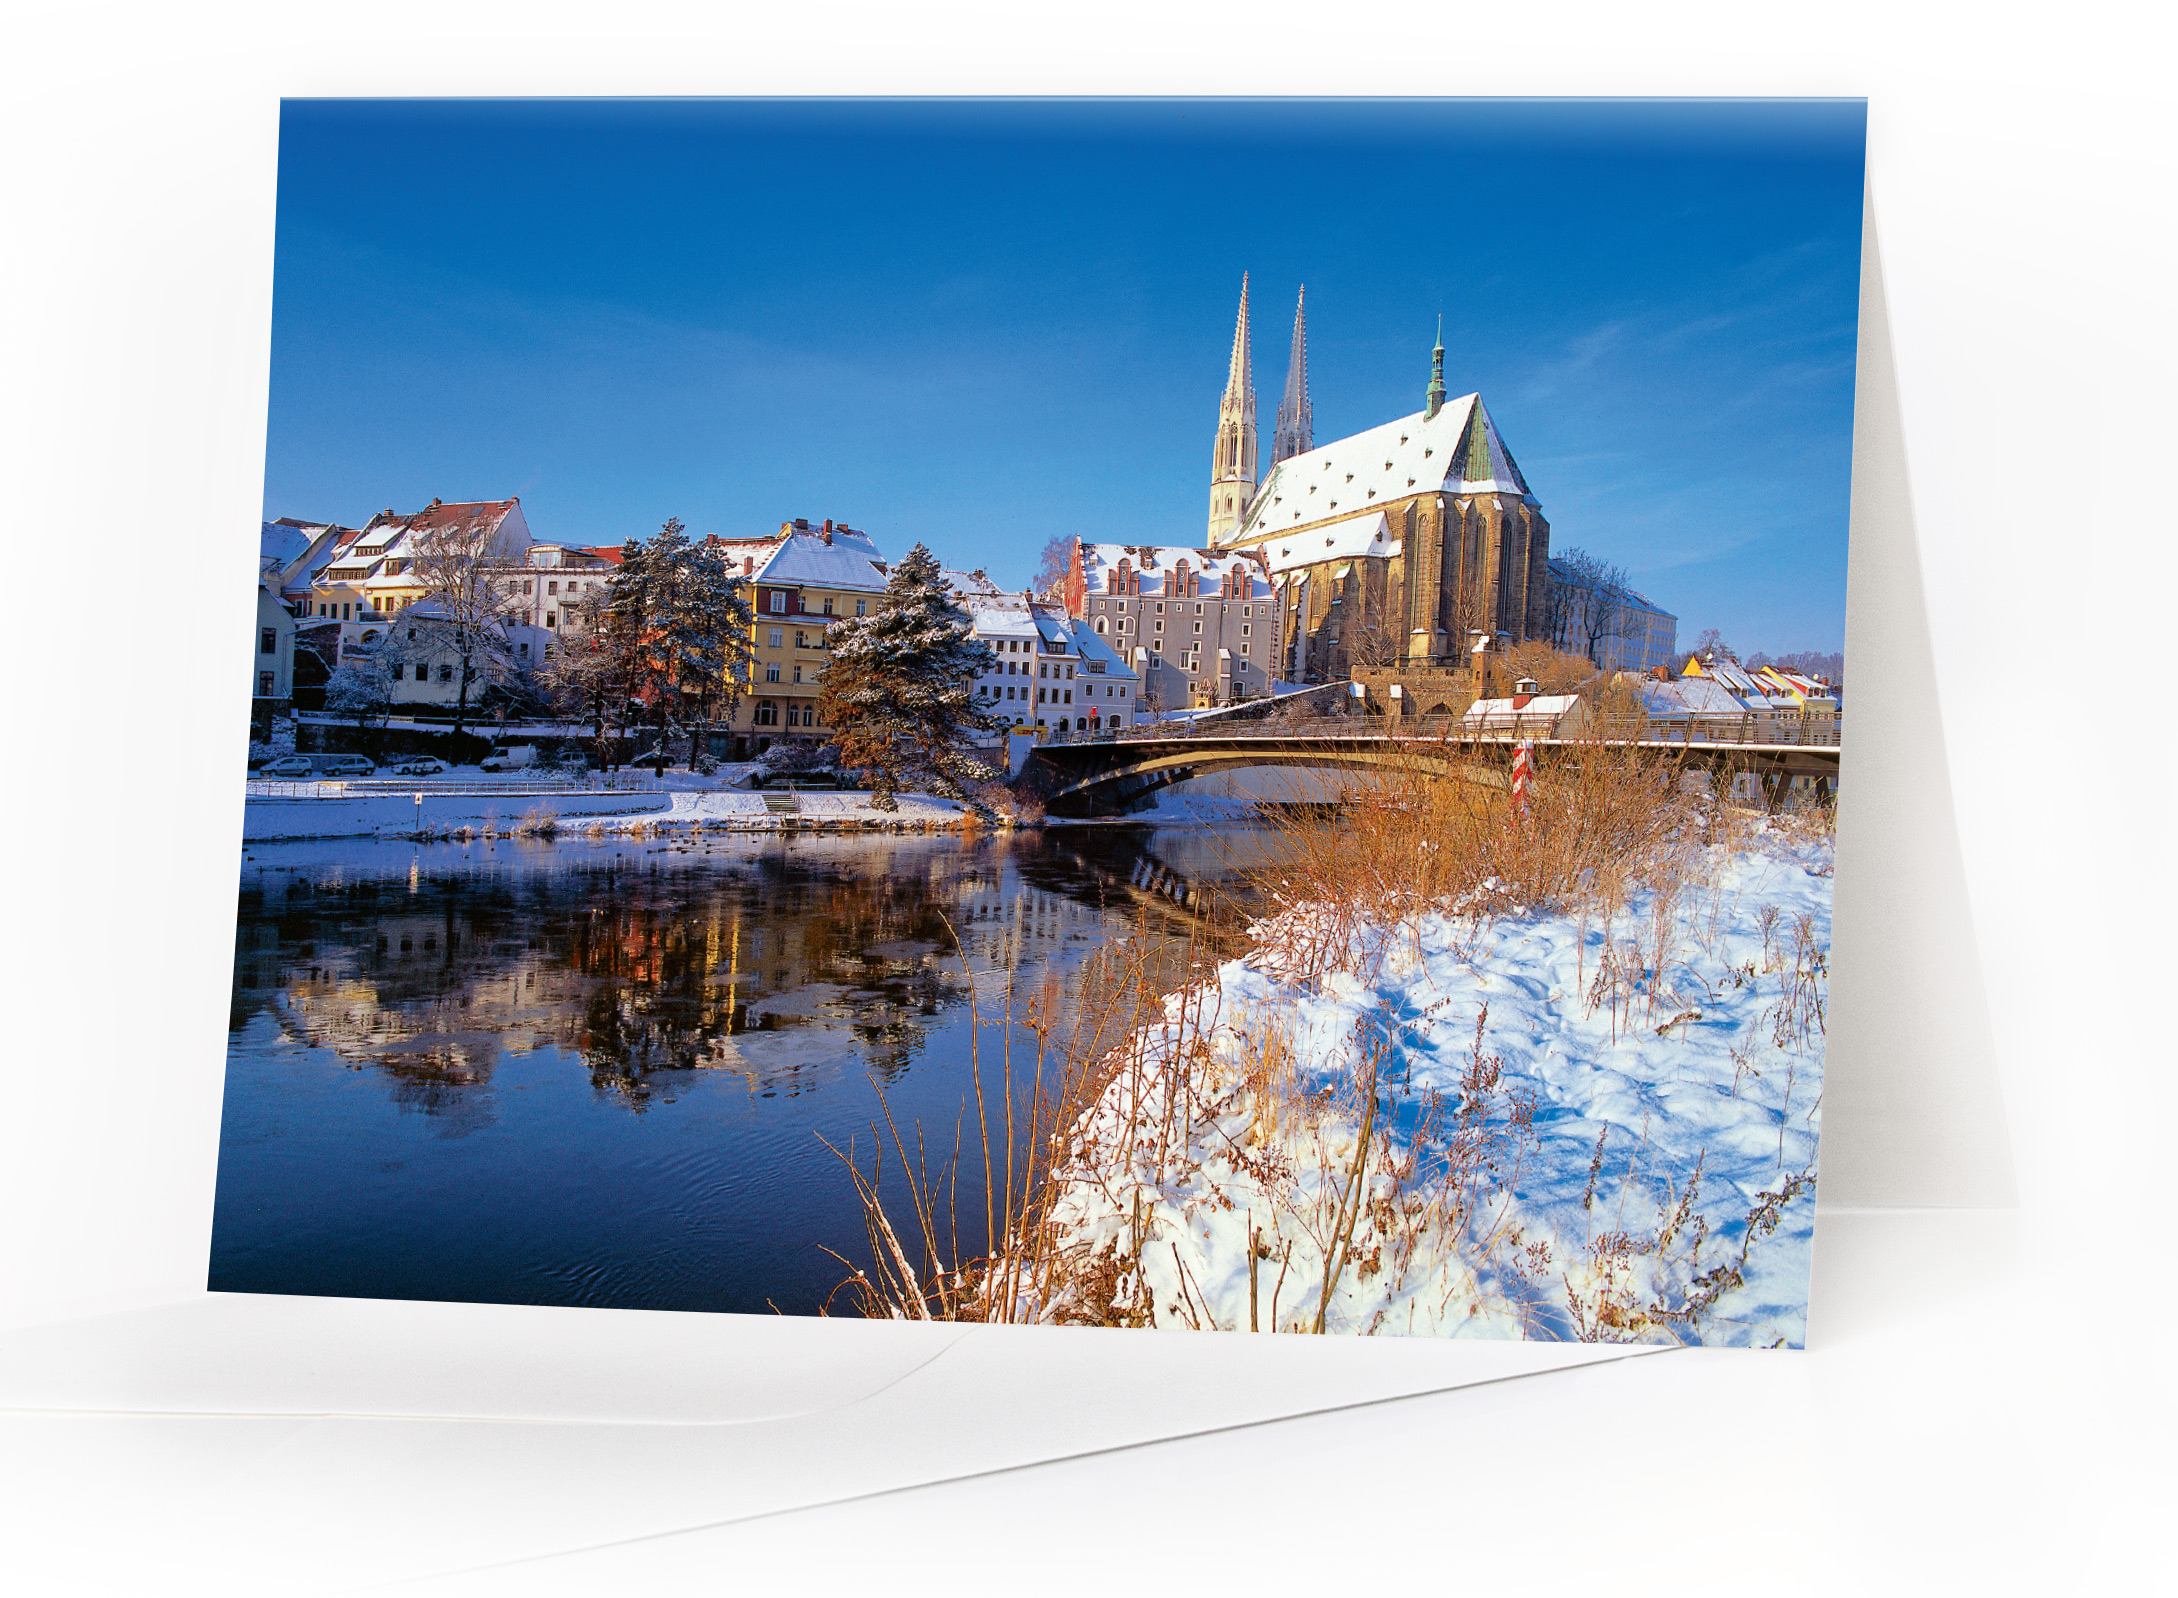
[[1527, 713], [800, 585], [1198, 627], [1049, 670], [374, 570]]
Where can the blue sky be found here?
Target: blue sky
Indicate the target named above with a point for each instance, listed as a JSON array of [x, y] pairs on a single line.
[[981, 324]]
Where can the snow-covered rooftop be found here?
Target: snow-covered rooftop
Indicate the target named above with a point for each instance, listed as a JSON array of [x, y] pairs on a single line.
[[1538, 705], [1158, 565], [1369, 533], [979, 586], [1414, 455], [842, 559], [282, 543], [1090, 645], [1693, 696], [1002, 621]]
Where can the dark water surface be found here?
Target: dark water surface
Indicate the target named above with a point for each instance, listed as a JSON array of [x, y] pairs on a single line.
[[597, 1072]]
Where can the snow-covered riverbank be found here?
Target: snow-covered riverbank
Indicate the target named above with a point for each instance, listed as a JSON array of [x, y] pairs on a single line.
[[267, 820], [1575, 1130]]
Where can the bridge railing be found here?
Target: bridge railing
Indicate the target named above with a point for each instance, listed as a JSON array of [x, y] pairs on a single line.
[[1750, 730]]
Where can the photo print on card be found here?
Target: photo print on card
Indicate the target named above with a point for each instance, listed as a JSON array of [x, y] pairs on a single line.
[[1154, 714]]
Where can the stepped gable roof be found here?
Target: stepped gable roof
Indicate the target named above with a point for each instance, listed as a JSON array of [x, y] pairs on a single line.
[[1457, 451], [843, 559], [1158, 564]]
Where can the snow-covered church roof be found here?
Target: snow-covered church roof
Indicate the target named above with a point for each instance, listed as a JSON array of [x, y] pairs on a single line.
[[1102, 566], [1457, 451], [1367, 534]]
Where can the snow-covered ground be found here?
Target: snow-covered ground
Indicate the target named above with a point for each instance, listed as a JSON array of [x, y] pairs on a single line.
[[265, 820], [1626, 1151]]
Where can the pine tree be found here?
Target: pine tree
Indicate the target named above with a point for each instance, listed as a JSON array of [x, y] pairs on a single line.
[[900, 687], [685, 627]]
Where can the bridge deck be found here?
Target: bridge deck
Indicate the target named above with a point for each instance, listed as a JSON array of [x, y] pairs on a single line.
[[1102, 773]]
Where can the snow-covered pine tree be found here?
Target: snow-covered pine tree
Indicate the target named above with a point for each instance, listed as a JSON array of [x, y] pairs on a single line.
[[686, 625], [706, 627], [899, 690]]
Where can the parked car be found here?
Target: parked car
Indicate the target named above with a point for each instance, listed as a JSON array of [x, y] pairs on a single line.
[[345, 766], [510, 757], [286, 766], [421, 766]]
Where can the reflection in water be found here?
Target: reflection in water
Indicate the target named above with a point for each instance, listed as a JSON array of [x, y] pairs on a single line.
[[597, 1072]]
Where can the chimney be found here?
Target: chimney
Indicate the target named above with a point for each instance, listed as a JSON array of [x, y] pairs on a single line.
[[801, 524]]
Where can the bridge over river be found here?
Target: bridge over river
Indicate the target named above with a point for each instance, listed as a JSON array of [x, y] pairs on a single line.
[[1112, 774]]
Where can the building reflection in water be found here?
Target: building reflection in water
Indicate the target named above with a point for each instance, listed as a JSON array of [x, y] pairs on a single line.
[[782, 961]]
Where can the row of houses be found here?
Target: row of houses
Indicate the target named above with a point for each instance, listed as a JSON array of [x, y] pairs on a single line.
[[1715, 698], [331, 597], [1711, 699], [1130, 633]]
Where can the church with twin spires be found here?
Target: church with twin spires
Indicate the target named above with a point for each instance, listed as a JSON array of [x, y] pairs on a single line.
[[1393, 547]]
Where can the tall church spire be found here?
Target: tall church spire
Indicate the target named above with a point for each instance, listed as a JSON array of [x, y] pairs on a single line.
[[1232, 464], [1296, 432], [1434, 399]]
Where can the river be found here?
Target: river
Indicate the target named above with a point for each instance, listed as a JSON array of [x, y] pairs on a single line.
[[604, 1072]]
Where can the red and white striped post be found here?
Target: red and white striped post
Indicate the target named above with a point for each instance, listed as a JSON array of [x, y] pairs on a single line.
[[1523, 773]]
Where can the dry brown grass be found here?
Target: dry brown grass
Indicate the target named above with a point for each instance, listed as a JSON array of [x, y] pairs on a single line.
[[1427, 834], [1138, 1089], [1053, 1060]]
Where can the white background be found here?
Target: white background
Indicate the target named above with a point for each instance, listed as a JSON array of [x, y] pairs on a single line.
[[1988, 1403]]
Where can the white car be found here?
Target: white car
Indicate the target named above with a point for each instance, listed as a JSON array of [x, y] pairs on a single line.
[[421, 766], [286, 766]]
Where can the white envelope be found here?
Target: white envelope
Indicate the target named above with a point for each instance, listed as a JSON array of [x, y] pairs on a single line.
[[270, 1437]]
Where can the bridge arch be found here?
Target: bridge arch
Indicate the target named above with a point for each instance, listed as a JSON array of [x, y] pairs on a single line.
[[1161, 765]]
